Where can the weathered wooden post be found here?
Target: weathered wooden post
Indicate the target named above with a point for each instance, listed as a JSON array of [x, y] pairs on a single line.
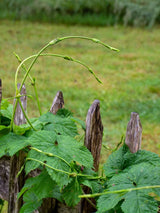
[[49, 204], [93, 141], [57, 104], [4, 177], [4, 168], [16, 183], [134, 133], [94, 132]]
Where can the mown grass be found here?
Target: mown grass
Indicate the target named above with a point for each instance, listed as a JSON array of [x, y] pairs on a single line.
[[131, 78]]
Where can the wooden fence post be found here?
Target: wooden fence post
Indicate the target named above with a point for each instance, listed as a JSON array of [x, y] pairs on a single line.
[[94, 132], [57, 104], [134, 133], [16, 184], [93, 141], [49, 204], [4, 177], [4, 168]]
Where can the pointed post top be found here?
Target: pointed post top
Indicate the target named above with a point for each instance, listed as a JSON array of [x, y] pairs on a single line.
[[134, 133], [58, 103]]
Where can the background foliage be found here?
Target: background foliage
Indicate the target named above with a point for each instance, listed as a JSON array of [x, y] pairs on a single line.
[[95, 12]]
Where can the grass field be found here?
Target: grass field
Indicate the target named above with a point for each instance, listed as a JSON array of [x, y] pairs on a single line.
[[131, 78]]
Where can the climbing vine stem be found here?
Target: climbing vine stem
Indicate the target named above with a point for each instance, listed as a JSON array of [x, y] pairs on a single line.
[[123, 191], [51, 43]]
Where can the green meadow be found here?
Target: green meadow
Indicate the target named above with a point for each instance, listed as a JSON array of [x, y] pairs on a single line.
[[131, 77]]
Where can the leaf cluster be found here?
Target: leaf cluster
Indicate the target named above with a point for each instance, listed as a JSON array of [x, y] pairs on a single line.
[[64, 163], [126, 173], [64, 166]]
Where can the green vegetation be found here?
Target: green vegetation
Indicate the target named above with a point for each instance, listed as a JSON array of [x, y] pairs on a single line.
[[138, 12], [86, 12], [126, 187], [66, 166], [130, 78], [65, 163]]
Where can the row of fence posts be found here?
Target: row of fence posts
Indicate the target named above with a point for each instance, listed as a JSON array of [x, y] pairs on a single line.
[[10, 185]]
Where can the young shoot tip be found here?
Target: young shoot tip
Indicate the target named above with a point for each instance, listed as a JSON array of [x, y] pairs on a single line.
[[18, 58], [112, 48], [99, 81], [115, 49]]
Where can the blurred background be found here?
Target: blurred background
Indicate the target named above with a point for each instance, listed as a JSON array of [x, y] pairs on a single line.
[[95, 12], [131, 77]]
